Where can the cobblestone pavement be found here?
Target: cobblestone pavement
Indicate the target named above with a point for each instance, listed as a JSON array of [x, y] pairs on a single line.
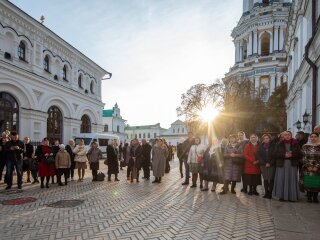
[[119, 210]]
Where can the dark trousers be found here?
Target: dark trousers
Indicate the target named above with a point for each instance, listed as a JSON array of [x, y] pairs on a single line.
[[2, 164], [180, 167], [62, 171], [128, 171], [11, 165], [195, 178], [186, 166], [71, 169], [34, 174], [94, 174], [146, 171]]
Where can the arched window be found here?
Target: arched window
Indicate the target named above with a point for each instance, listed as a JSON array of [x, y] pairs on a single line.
[[54, 124], [265, 44], [118, 128], [80, 81], [64, 72], [106, 128], [9, 112], [244, 50], [92, 87], [46, 63], [22, 51], [85, 124]]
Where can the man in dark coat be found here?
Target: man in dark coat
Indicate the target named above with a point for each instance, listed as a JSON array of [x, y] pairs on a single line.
[[113, 163], [146, 156], [186, 145], [15, 149]]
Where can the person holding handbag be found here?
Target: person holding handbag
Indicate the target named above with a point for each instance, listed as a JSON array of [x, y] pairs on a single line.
[[233, 158], [46, 167], [80, 159], [94, 155], [195, 161]]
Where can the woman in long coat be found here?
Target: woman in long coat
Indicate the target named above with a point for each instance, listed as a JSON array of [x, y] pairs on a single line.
[[159, 158], [252, 173], [80, 159], [233, 158], [45, 170], [94, 155], [135, 161], [311, 167], [267, 164], [113, 163], [213, 165], [287, 154]]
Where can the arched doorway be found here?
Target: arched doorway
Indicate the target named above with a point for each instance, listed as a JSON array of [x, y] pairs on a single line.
[[54, 124], [85, 124], [9, 112]]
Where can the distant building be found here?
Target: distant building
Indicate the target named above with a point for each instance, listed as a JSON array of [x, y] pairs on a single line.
[[303, 47], [147, 132], [177, 133], [113, 122], [48, 88]]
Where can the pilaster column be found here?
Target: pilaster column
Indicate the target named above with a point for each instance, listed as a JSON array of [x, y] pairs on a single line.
[[255, 42], [249, 47], [256, 85], [272, 83], [281, 38], [276, 38]]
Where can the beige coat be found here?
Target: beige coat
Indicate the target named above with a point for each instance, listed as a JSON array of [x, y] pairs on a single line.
[[63, 160], [80, 154]]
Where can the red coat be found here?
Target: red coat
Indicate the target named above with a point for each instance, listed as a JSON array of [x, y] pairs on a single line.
[[250, 152]]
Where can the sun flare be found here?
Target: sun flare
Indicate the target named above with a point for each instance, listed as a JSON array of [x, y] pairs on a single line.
[[208, 113]]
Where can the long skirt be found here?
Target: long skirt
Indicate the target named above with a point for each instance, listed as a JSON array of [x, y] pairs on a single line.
[[232, 171], [46, 170], [267, 173], [252, 179], [286, 184], [196, 168]]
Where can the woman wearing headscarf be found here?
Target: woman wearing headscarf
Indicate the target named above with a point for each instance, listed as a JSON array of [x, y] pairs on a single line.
[[213, 165], [267, 164], [113, 163], [242, 141], [195, 161], [159, 158], [63, 163], [287, 154], [252, 174], [233, 158], [311, 167]]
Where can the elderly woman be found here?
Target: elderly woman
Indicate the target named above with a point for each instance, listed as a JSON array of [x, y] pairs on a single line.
[[159, 156], [233, 158], [195, 161], [267, 164], [80, 159], [46, 169], [287, 154], [94, 155], [113, 163], [135, 159], [212, 167], [69, 148], [252, 174], [63, 163], [311, 167]]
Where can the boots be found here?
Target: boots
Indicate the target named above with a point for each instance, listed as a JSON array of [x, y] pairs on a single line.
[[266, 189], [270, 189], [155, 180], [138, 176], [116, 178], [254, 190], [251, 190], [233, 185], [309, 195], [159, 180]]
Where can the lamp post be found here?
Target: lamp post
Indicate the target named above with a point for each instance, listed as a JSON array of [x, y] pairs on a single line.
[[298, 123], [305, 118]]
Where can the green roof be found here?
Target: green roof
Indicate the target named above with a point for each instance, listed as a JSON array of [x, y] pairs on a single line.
[[107, 113]]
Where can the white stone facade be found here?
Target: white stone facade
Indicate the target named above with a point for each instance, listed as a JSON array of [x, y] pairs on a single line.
[[300, 74], [177, 133], [114, 123], [147, 132], [69, 81], [259, 46]]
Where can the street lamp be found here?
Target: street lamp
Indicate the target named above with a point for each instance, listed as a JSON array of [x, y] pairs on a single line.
[[298, 123], [305, 118]]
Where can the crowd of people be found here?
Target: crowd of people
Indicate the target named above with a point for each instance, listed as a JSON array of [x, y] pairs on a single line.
[[286, 165]]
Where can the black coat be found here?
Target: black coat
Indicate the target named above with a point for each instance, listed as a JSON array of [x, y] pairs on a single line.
[[137, 153], [265, 157], [29, 151], [113, 163], [186, 145], [15, 154], [280, 152], [146, 154]]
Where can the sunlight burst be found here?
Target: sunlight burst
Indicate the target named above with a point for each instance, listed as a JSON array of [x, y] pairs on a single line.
[[208, 113]]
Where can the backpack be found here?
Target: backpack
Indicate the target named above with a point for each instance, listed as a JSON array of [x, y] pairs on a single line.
[[100, 176]]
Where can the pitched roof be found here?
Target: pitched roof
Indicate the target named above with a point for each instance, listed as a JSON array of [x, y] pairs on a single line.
[[107, 112], [143, 127], [177, 122]]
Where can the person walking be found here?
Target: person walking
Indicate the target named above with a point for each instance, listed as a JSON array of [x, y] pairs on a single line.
[[46, 168], [113, 163], [80, 159], [63, 163], [146, 157], [14, 161], [69, 148], [252, 173], [287, 154], [195, 161], [267, 164], [311, 167], [186, 145], [159, 157], [213, 166], [233, 158], [94, 155]]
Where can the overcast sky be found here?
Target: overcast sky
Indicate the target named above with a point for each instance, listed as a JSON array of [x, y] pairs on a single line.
[[155, 49]]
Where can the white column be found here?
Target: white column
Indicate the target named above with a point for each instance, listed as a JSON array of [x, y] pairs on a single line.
[[276, 38], [271, 44], [237, 49], [281, 38], [272, 84], [249, 47], [278, 82], [241, 52], [255, 42], [257, 85]]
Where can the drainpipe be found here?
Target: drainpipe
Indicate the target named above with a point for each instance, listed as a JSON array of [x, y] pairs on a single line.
[[313, 65]]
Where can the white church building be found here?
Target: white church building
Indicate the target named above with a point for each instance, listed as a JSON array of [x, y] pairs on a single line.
[[47, 87]]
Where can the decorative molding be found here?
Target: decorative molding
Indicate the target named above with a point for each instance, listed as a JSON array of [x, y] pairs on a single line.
[[63, 60], [37, 93], [19, 35]]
